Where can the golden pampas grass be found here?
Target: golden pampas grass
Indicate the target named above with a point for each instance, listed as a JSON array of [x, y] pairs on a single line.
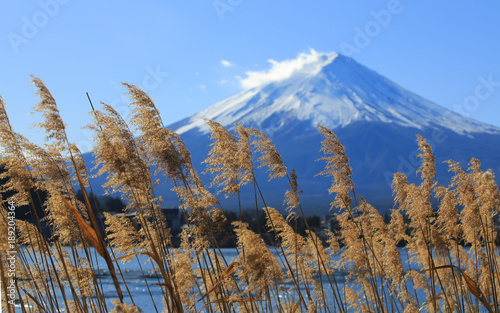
[[436, 253]]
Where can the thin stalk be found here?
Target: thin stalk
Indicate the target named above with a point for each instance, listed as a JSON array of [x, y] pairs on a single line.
[[282, 250]]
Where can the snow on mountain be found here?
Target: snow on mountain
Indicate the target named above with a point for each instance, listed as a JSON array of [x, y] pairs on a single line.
[[375, 119], [328, 89]]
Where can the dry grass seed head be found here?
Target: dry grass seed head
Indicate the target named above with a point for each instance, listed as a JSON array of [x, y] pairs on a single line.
[[118, 156], [400, 189], [230, 159], [183, 276], [65, 227], [29, 236], [428, 166], [222, 159], [269, 156], [122, 235], [353, 298], [383, 241], [165, 148], [486, 190], [259, 266], [124, 307], [296, 247], [374, 235], [317, 249], [17, 176], [397, 227], [18, 180], [448, 216], [292, 199], [55, 179], [80, 165], [473, 214], [333, 242], [420, 212], [78, 273], [49, 167], [351, 238], [195, 198], [244, 154], [337, 166], [53, 124]]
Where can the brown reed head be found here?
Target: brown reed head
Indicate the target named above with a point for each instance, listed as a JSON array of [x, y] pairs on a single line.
[[337, 166]]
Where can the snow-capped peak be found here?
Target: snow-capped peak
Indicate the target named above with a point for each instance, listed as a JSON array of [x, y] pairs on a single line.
[[328, 89], [305, 65]]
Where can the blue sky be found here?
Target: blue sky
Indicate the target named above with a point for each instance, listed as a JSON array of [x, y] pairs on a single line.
[[190, 54]]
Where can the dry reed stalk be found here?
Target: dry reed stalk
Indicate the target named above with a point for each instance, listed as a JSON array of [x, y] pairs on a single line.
[[269, 157], [415, 201], [55, 129], [351, 223], [124, 160], [259, 266], [21, 180], [433, 237], [168, 154], [229, 159], [295, 250], [477, 192], [337, 166]]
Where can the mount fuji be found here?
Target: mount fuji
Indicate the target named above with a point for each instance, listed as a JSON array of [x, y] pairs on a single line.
[[332, 90], [374, 118]]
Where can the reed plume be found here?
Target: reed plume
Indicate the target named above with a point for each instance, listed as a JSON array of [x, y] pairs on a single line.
[[118, 156], [122, 235], [259, 266], [337, 166], [18, 177], [53, 123], [165, 148], [229, 158], [184, 278], [269, 156], [437, 253], [292, 199], [124, 307]]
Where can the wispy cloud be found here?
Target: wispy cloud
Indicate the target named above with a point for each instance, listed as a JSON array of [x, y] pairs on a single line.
[[226, 63], [305, 63]]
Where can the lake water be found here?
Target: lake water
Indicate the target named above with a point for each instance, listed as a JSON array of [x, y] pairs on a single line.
[[135, 278]]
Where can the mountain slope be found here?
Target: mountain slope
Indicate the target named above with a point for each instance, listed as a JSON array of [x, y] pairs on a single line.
[[333, 91], [375, 119]]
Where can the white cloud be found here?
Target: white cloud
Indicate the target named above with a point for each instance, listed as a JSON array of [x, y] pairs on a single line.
[[202, 87], [304, 64], [226, 63]]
